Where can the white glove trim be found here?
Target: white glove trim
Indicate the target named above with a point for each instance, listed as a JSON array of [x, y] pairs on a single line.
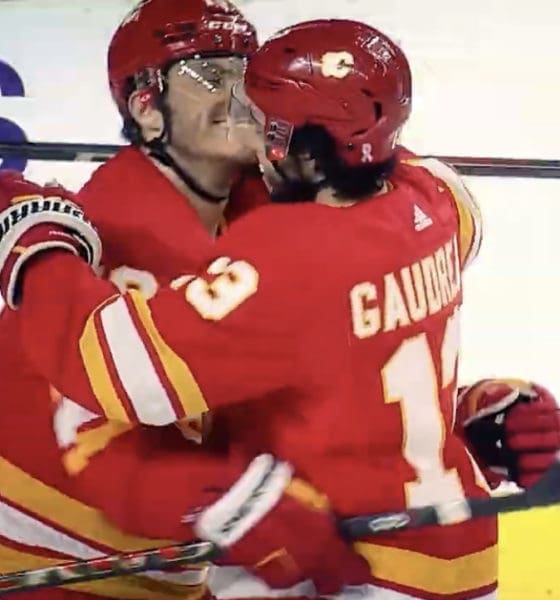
[[19, 218], [247, 502], [493, 409]]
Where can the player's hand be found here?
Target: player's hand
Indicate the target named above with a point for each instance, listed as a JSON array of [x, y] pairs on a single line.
[[278, 537], [512, 427], [35, 219]]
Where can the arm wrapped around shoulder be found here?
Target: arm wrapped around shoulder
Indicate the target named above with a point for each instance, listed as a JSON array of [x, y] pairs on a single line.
[[512, 428], [282, 535], [33, 220]]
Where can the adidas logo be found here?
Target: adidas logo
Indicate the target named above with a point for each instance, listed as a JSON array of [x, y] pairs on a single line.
[[421, 219]]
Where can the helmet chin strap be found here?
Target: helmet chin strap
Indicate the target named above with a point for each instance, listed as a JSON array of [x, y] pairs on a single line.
[[158, 152]]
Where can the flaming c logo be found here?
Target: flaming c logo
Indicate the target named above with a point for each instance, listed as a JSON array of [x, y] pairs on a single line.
[[336, 64]]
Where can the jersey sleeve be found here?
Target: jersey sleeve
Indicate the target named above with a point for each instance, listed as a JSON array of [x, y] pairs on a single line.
[[468, 211], [158, 477], [205, 342]]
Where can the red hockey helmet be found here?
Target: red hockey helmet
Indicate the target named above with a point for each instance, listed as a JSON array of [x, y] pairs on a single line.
[[157, 32], [343, 75]]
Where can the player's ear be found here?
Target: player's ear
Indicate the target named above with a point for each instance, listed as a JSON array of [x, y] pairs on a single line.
[[144, 111]]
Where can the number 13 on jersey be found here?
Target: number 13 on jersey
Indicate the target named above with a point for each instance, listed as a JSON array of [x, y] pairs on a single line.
[[410, 378]]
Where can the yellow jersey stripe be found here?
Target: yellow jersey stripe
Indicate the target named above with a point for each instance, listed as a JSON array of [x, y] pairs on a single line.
[[177, 370], [466, 229], [71, 515], [97, 370], [89, 443], [429, 573]]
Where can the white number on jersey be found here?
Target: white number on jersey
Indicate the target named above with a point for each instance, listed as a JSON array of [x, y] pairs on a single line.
[[234, 283], [409, 377], [127, 278]]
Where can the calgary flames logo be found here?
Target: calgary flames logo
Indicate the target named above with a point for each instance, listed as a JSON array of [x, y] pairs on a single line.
[[336, 64]]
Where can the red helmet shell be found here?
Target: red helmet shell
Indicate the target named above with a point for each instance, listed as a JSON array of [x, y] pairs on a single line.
[[343, 75], [158, 32]]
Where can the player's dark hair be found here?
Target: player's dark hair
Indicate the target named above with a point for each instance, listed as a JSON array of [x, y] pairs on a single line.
[[348, 182]]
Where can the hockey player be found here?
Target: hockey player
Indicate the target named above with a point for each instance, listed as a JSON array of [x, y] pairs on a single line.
[[171, 65], [183, 178], [322, 326]]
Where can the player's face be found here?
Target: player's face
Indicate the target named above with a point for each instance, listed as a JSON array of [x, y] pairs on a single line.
[[198, 98]]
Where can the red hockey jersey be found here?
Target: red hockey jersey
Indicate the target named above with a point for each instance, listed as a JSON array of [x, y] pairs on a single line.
[[149, 231], [332, 336]]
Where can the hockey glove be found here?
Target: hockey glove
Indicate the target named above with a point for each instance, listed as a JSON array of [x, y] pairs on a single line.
[[265, 527], [35, 219], [512, 428]]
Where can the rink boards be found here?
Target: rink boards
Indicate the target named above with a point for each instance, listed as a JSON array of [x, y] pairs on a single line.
[[529, 555]]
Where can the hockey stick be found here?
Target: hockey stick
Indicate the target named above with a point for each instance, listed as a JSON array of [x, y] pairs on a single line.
[[108, 566], [478, 166], [544, 493]]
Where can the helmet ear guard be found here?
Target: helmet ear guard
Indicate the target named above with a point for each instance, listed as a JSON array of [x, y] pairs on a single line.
[[278, 134]]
